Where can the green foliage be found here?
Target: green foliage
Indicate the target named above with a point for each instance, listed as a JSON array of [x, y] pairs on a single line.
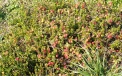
[[45, 38], [95, 65]]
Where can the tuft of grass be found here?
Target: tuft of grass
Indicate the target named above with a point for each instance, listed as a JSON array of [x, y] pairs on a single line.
[[95, 65]]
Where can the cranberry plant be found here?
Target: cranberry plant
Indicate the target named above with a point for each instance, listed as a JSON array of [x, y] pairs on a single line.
[[48, 38]]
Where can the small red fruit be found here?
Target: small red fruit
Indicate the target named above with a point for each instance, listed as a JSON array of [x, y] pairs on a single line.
[[110, 21], [70, 40], [57, 68], [45, 51], [61, 11], [39, 55], [109, 36], [93, 42], [56, 55], [17, 58], [77, 5], [66, 56], [43, 8], [94, 22], [83, 5], [117, 50], [98, 35], [48, 50], [50, 63], [54, 45], [65, 66], [117, 37], [51, 11], [65, 35], [66, 50], [110, 3], [99, 4]]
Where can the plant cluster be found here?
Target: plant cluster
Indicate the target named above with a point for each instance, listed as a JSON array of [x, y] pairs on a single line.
[[50, 38]]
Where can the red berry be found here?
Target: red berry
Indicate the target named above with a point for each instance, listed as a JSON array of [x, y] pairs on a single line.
[[45, 51], [93, 42], [110, 3], [83, 5], [77, 5], [109, 36], [17, 58], [99, 4], [65, 66], [54, 45], [117, 50], [117, 37], [57, 68], [65, 35], [70, 40], [94, 22], [66, 49], [61, 11], [52, 11], [39, 55], [110, 21], [50, 63], [56, 55], [66, 56]]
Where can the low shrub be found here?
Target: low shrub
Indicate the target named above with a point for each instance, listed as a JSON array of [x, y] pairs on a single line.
[[45, 37]]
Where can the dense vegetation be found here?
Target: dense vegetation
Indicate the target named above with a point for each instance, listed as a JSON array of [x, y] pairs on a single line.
[[61, 38]]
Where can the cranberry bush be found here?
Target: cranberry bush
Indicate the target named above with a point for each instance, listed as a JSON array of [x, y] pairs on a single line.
[[46, 37]]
